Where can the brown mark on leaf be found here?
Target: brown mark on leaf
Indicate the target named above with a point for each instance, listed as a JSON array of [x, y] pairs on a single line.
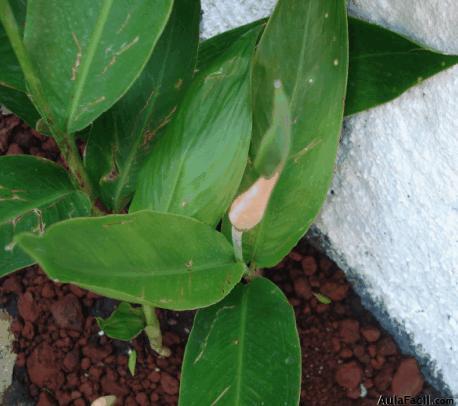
[[178, 84], [110, 176], [40, 228], [188, 264], [119, 223], [79, 55], [149, 135], [124, 48]]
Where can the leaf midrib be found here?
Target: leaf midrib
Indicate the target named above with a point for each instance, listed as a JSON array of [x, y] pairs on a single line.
[[87, 62], [156, 273], [240, 357]]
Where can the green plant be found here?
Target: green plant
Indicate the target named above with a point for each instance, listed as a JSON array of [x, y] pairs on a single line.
[[241, 129]]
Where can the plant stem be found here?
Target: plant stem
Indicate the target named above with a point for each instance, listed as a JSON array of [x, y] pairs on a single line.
[[153, 331], [253, 272], [71, 155], [237, 243], [65, 142], [14, 35]]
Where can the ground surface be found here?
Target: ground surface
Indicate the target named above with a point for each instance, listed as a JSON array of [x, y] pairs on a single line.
[[63, 360]]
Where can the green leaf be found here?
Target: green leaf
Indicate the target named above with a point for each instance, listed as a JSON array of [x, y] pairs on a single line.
[[216, 46], [34, 193], [10, 72], [18, 102], [244, 350], [196, 166], [160, 259], [310, 58], [87, 56], [274, 148], [120, 139], [384, 64], [132, 363], [322, 298], [125, 323], [12, 83]]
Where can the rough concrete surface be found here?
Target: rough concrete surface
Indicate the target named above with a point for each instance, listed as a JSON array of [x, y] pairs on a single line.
[[392, 220], [7, 357]]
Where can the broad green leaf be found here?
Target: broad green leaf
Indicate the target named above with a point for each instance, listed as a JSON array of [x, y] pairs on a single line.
[[244, 350], [120, 139], [125, 323], [34, 193], [274, 148], [159, 259], [195, 167], [217, 45], [384, 64], [87, 56], [310, 58]]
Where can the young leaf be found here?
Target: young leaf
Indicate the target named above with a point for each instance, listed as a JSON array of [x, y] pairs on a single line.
[[132, 363], [109, 400], [121, 139], [101, 49], [274, 147], [250, 343], [34, 193], [196, 166], [125, 323], [249, 207], [310, 58], [160, 259], [384, 64]]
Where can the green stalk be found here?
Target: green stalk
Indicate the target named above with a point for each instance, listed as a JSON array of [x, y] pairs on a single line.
[[65, 142], [153, 331]]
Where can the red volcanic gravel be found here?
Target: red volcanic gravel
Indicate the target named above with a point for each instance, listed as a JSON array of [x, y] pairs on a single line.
[[62, 360]]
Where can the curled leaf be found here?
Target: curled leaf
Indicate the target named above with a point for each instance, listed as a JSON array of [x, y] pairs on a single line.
[[248, 208], [104, 401], [273, 150]]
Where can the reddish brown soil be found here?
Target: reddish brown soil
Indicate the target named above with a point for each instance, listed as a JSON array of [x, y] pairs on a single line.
[[63, 360]]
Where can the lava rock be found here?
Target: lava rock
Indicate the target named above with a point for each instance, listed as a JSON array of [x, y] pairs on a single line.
[[349, 331], [407, 380], [67, 313], [349, 375], [43, 367], [370, 334], [27, 307]]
